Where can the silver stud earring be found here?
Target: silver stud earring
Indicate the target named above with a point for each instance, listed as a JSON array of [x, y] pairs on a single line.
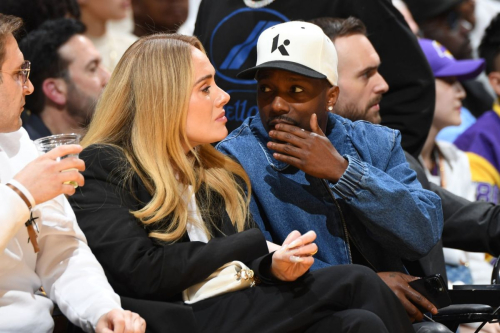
[[330, 108]]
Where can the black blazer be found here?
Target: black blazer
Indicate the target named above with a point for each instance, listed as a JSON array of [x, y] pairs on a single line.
[[468, 226], [142, 268]]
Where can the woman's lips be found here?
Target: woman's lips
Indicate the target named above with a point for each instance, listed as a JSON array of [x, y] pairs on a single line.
[[221, 117]]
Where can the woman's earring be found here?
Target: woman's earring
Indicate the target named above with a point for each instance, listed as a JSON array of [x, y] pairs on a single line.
[[330, 108]]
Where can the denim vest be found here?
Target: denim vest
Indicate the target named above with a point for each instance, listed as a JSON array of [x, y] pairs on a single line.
[[377, 205]]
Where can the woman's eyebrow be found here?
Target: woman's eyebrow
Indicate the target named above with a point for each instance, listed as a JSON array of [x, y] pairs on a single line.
[[208, 76]]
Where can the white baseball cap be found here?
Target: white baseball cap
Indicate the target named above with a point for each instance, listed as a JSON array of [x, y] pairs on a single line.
[[298, 47]]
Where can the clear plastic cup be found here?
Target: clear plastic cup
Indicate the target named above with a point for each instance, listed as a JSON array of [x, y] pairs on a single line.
[[48, 143]]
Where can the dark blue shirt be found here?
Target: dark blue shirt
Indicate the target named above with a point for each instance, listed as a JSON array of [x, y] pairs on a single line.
[[34, 125]]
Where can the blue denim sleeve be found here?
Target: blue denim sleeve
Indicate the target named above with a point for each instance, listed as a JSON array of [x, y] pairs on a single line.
[[386, 196]]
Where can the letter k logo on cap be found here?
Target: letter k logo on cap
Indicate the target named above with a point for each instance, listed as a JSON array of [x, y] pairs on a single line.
[[311, 54], [281, 48]]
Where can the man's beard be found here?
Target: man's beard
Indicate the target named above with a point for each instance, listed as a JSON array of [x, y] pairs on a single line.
[[80, 106], [352, 112]]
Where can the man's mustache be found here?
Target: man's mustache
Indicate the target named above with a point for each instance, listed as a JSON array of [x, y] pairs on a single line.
[[375, 100], [284, 119]]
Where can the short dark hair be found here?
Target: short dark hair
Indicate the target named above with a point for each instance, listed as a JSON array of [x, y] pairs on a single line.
[[489, 49], [35, 12], [337, 27], [41, 46], [8, 25]]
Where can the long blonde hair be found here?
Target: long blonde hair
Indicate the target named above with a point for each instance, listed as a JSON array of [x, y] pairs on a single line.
[[143, 111]]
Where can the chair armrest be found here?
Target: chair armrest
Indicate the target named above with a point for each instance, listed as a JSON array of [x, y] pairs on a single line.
[[456, 309], [456, 314]]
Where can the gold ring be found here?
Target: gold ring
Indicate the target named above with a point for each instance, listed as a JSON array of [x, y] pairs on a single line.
[[314, 252]]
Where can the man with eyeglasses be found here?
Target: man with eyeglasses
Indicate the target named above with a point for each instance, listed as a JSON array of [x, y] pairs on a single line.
[[68, 78], [40, 241], [23, 73]]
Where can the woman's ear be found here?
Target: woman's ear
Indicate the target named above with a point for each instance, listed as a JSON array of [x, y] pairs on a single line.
[[55, 90], [494, 79]]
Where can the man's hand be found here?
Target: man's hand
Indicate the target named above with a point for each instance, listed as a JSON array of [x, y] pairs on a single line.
[[294, 257], [408, 296], [120, 321], [44, 178], [311, 152]]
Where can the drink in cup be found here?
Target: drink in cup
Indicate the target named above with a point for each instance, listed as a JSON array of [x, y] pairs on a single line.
[[48, 143]]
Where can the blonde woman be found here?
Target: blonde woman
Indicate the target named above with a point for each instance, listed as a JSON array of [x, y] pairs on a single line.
[[162, 210]]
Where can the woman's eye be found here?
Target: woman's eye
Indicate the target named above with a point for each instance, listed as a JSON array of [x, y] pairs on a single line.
[[206, 90]]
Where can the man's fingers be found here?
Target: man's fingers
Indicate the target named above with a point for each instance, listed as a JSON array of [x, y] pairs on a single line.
[[410, 298], [412, 311], [416, 298], [71, 163], [118, 323], [287, 137], [315, 126], [313, 122], [129, 326], [410, 278], [139, 324], [125, 322], [286, 149], [106, 330], [293, 130], [72, 175], [288, 160], [63, 151], [68, 189]]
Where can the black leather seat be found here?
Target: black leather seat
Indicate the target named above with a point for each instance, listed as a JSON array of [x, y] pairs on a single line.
[[456, 314]]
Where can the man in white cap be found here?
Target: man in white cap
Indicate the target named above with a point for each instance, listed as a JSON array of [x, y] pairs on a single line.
[[229, 29], [311, 169]]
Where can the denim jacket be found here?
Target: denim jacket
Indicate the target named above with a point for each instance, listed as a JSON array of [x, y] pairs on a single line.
[[378, 205]]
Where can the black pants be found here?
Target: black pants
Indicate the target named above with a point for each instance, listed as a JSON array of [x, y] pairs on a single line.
[[346, 298]]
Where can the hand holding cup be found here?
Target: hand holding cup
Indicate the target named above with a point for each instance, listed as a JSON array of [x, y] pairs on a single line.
[[44, 177], [46, 144]]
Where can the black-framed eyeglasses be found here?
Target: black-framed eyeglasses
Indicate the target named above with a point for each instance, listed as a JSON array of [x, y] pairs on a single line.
[[23, 72]]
